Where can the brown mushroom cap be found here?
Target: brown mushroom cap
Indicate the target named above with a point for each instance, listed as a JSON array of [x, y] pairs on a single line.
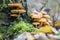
[[35, 23], [31, 14], [36, 19], [16, 5], [46, 16], [36, 15], [18, 11], [14, 15], [43, 20], [47, 23], [43, 12]]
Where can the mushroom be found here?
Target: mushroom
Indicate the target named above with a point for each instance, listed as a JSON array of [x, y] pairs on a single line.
[[18, 11], [36, 15], [31, 14], [43, 12], [15, 5], [14, 15], [49, 21], [43, 20], [36, 19], [46, 16], [36, 23]]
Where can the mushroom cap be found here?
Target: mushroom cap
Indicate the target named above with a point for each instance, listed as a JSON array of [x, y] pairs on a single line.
[[14, 15], [16, 5], [35, 23], [43, 12], [31, 14], [49, 21], [43, 20], [36, 19], [36, 15], [34, 11], [18, 11], [46, 16]]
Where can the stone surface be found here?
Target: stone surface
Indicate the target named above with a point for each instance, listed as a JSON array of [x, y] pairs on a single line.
[[24, 36]]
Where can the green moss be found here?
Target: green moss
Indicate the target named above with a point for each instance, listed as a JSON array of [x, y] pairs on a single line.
[[19, 28]]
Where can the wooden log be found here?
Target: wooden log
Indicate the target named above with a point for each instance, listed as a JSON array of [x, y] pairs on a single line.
[[18, 11]]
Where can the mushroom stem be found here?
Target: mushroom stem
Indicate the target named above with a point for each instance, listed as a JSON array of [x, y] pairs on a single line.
[[36, 25]]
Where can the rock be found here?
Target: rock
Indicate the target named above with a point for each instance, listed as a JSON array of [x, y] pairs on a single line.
[[24, 36]]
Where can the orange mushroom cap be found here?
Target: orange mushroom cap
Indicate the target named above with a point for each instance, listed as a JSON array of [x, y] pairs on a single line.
[[36, 19], [43, 20], [16, 5], [31, 14], [43, 12], [14, 15], [35, 23], [18, 11], [49, 21], [36, 15], [45, 23], [46, 16]]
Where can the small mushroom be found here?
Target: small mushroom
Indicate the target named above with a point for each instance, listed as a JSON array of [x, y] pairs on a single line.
[[36, 19], [43, 20], [15, 5], [36, 23], [14, 15], [46, 16], [31, 14], [49, 21], [18, 11], [43, 12], [36, 15]]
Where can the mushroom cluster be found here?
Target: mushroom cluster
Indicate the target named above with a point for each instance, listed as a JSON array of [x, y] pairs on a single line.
[[18, 9], [39, 18]]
